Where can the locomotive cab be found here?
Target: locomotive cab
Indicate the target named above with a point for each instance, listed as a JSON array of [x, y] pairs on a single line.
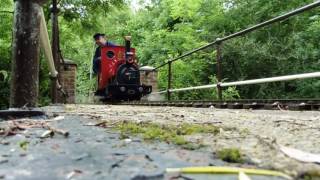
[[119, 77]]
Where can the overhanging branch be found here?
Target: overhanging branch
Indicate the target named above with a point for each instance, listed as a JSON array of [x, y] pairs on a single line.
[[10, 12]]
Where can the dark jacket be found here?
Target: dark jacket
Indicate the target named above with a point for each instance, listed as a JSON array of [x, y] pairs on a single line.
[[97, 57]]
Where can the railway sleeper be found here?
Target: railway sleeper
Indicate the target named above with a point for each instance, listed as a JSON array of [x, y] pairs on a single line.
[[207, 105], [197, 105], [188, 104], [253, 106], [179, 104], [315, 107], [299, 107], [221, 105], [235, 105]]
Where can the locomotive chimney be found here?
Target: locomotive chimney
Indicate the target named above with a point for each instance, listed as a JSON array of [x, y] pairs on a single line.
[[128, 46]]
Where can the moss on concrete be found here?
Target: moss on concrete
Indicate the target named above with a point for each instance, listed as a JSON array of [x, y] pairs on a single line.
[[231, 155], [310, 175], [168, 133]]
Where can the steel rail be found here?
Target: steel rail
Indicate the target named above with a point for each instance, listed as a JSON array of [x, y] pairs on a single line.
[[248, 82], [245, 31]]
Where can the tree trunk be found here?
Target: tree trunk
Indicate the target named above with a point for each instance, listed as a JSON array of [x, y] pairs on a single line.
[[25, 50]]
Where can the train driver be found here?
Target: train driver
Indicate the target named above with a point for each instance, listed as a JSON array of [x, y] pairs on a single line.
[[101, 40]]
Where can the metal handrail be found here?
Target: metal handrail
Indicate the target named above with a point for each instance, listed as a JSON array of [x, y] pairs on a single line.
[[218, 42], [247, 82], [245, 31]]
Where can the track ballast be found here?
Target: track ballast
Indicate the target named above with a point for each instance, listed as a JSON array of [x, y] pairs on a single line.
[[267, 104]]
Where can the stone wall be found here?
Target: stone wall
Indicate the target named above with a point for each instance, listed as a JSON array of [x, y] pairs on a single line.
[[68, 77], [149, 78]]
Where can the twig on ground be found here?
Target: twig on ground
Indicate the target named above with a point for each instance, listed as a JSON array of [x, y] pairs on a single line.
[[18, 125]]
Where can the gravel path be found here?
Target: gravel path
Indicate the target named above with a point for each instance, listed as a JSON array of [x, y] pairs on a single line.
[[91, 152], [258, 133]]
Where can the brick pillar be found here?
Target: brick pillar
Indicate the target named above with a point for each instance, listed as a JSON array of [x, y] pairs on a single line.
[[149, 77], [68, 76]]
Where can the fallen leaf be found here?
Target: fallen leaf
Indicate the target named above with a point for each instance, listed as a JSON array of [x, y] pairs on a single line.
[[73, 173], [4, 142], [2, 161], [24, 145], [47, 133], [58, 118]]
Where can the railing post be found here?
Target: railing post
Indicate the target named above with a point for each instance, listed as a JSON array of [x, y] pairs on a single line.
[[219, 68], [169, 81]]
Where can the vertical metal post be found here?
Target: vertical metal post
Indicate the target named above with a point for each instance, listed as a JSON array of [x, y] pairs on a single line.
[[219, 69], [91, 64], [55, 50], [169, 80]]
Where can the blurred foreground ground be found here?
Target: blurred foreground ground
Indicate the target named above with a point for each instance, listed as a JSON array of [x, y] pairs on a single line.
[[93, 152]]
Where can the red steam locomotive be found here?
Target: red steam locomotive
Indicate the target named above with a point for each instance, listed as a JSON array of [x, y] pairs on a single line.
[[119, 76]]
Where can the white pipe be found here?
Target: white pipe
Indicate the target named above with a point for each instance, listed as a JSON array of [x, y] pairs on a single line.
[[45, 44], [160, 92], [91, 64], [247, 82], [194, 88]]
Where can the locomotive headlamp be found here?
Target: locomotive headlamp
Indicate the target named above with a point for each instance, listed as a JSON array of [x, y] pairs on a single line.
[[140, 89], [130, 60], [122, 89]]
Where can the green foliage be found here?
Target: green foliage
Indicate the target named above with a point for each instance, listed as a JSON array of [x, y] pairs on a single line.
[[5, 51], [230, 93], [45, 83], [4, 89]]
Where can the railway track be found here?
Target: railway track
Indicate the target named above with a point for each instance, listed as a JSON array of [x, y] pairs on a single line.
[[267, 104]]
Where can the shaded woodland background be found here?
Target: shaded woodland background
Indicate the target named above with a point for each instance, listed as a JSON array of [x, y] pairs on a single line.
[[162, 29]]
